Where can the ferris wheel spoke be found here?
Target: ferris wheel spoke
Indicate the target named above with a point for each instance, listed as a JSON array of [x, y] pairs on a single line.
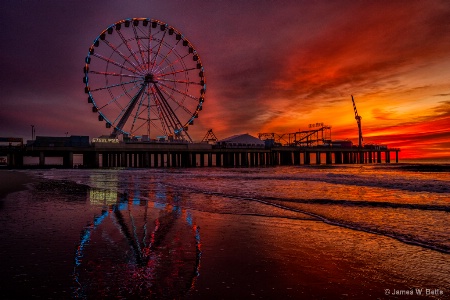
[[178, 91], [176, 72], [137, 113], [159, 50], [144, 34], [158, 112], [155, 46], [115, 49], [118, 116], [175, 123], [115, 85], [165, 57], [129, 109], [167, 120], [179, 60], [180, 81], [133, 53], [114, 63], [163, 123], [138, 42], [138, 127], [150, 37], [114, 100], [153, 50], [147, 48], [148, 114], [177, 102], [178, 127], [157, 127], [114, 74]]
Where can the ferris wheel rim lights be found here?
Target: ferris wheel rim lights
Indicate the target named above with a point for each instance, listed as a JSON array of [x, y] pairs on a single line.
[[139, 72]]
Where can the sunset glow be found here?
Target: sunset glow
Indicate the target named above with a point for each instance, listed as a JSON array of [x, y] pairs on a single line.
[[268, 67]]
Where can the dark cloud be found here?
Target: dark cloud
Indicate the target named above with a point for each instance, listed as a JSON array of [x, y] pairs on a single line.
[[443, 108]]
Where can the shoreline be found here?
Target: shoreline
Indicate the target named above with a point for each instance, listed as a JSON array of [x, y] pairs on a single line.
[[13, 181]]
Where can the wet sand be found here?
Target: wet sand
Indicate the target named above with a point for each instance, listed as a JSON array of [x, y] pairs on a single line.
[[245, 257], [242, 256], [13, 181]]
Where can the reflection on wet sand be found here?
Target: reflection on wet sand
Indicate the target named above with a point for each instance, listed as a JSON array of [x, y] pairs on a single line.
[[137, 248], [264, 234]]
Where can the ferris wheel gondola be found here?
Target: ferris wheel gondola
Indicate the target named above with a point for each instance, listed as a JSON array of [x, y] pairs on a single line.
[[144, 78]]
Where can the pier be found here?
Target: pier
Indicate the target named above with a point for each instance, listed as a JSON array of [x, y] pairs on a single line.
[[187, 155]]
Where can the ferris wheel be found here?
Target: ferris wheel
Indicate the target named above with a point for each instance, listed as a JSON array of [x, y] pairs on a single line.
[[144, 78]]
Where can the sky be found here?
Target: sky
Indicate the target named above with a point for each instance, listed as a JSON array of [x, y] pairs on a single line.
[[270, 66]]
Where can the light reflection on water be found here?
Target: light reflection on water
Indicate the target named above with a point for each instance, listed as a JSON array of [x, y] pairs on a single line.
[[136, 247], [137, 205]]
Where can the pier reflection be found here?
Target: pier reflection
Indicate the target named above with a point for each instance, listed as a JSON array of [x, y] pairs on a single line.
[[142, 244]]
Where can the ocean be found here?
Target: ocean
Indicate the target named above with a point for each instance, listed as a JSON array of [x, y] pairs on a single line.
[[377, 231]]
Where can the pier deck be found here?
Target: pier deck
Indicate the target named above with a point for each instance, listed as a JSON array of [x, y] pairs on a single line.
[[153, 155]]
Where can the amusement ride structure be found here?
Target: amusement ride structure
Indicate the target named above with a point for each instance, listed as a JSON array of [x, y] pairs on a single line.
[[358, 121], [317, 134], [210, 137], [144, 78]]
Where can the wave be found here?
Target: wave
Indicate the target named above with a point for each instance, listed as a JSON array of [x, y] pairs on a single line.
[[391, 182], [397, 235], [445, 208], [378, 204]]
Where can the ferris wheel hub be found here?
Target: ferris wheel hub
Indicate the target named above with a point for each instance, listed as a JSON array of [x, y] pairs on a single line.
[[150, 78]]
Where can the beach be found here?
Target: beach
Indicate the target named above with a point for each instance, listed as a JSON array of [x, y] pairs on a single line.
[[13, 181], [225, 234]]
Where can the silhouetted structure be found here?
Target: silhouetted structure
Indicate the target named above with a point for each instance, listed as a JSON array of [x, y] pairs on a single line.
[[236, 151]]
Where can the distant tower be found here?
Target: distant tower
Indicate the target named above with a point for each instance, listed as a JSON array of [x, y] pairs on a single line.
[[33, 132], [358, 121]]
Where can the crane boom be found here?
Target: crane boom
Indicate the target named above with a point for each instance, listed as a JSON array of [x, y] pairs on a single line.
[[354, 108], [358, 121]]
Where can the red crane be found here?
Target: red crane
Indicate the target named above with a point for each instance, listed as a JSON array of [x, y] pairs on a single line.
[[358, 121]]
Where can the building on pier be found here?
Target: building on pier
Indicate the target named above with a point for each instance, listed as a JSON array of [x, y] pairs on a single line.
[[241, 141]]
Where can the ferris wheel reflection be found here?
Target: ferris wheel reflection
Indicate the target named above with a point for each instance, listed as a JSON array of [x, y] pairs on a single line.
[[142, 244]]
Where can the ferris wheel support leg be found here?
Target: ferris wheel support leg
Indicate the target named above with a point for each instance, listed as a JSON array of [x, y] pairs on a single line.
[[130, 108]]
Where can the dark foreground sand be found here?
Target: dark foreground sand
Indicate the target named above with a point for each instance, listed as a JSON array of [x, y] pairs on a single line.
[[12, 181], [242, 256]]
